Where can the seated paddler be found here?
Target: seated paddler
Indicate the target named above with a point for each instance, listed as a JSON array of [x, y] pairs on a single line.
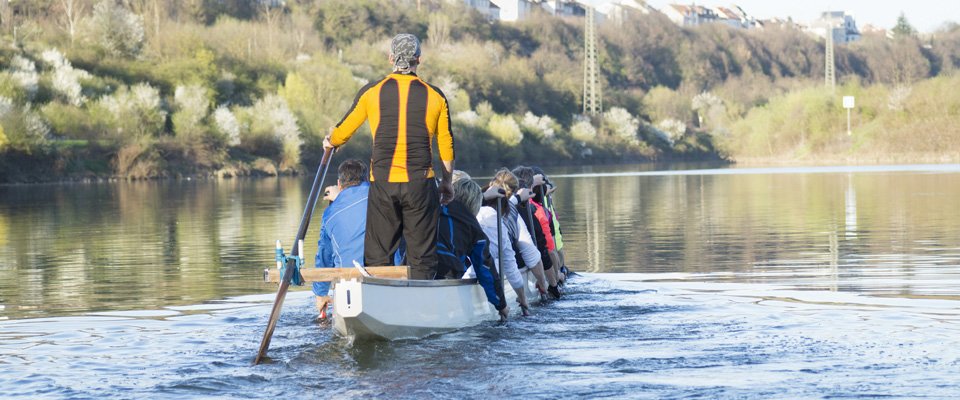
[[462, 243], [499, 238], [343, 225]]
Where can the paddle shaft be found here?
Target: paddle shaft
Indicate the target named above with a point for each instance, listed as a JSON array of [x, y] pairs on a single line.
[[530, 220], [500, 248], [301, 233]]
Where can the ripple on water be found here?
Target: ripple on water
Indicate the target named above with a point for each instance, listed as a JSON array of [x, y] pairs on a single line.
[[604, 339]]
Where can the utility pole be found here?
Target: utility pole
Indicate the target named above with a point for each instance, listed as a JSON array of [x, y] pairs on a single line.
[[830, 67], [592, 96]]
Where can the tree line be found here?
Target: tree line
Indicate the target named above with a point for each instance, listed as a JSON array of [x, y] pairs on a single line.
[[152, 88]]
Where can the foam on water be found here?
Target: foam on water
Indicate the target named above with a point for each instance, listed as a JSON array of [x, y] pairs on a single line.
[[613, 335]]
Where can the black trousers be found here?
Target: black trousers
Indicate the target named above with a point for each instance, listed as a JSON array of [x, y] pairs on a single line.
[[407, 209]]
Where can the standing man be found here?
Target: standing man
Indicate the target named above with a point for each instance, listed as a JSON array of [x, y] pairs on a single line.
[[405, 113], [342, 229]]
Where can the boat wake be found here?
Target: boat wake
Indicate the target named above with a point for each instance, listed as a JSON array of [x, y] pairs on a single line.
[[617, 335]]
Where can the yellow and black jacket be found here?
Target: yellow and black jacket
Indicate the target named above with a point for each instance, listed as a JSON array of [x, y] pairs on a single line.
[[405, 113]]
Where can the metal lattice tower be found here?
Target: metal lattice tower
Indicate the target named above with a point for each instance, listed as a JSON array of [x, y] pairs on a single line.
[[830, 72], [592, 96]]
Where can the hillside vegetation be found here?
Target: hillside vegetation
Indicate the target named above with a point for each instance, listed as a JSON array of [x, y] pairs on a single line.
[[151, 88]]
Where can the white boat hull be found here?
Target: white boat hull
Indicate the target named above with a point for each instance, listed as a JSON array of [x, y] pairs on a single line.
[[392, 309]]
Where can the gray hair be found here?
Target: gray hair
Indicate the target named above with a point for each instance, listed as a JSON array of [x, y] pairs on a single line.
[[458, 175], [467, 192]]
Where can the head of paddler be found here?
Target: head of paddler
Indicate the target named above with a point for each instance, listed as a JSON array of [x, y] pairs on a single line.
[[493, 195], [541, 178], [467, 192], [505, 180], [524, 176], [351, 172], [405, 53], [458, 175]]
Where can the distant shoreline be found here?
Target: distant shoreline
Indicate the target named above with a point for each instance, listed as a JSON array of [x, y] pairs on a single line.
[[781, 161]]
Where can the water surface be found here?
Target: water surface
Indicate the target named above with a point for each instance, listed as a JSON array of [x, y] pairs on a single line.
[[788, 283]]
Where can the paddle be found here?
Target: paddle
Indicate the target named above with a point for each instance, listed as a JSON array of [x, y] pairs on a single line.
[[500, 250], [301, 233], [533, 236]]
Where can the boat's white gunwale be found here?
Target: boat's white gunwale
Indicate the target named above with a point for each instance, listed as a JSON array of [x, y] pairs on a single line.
[[368, 280]]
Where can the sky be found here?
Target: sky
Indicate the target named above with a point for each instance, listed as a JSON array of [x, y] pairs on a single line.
[[924, 15]]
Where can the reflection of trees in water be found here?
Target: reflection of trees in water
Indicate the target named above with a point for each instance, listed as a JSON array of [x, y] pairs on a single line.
[[141, 244], [775, 224]]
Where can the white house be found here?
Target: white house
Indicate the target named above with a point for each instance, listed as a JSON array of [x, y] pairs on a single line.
[[485, 7], [617, 10], [565, 8], [689, 15], [838, 23], [514, 10], [734, 17], [693, 15]]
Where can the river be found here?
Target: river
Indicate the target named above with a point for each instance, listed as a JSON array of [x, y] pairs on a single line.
[[710, 283]]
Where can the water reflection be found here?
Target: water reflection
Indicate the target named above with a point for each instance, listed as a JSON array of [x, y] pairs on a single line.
[[144, 244], [74, 248], [825, 230]]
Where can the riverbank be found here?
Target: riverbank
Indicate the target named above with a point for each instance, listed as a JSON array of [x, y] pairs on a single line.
[[38, 170], [850, 160]]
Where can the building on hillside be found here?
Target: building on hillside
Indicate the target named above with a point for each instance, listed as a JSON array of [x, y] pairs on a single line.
[[485, 7], [837, 23], [735, 17], [495, 12], [514, 10], [617, 10], [777, 23], [873, 30], [689, 15], [693, 15], [565, 8]]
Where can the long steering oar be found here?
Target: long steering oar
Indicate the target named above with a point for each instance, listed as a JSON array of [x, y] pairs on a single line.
[[288, 272]]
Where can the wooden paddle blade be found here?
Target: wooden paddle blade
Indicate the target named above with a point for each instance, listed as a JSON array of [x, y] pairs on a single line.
[[332, 274], [272, 324], [301, 233]]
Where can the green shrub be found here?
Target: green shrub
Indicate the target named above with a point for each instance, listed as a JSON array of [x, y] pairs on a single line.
[[505, 129], [71, 122], [319, 91]]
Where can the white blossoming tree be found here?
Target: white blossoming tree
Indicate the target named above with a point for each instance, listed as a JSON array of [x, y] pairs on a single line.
[[192, 105], [136, 111], [457, 99], [227, 124], [543, 126], [23, 128], [467, 117], [506, 129], [66, 78], [24, 74], [271, 116], [709, 108], [117, 29], [622, 124], [670, 130], [583, 131]]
